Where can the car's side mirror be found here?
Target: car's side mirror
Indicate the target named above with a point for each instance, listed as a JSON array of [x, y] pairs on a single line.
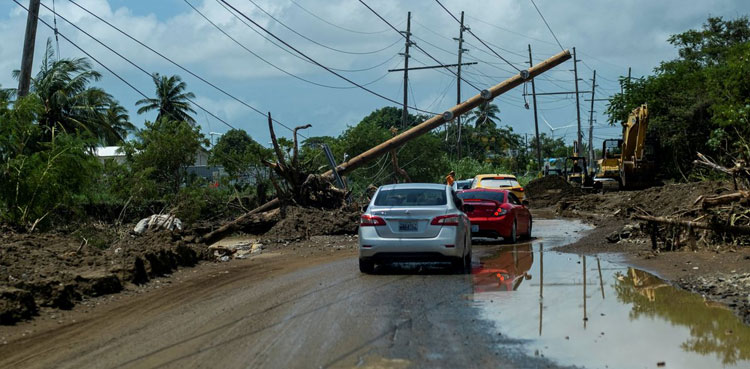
[[525, 203]]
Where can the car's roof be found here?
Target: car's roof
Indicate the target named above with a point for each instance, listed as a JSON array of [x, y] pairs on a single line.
[[482, 176], [408, 186]]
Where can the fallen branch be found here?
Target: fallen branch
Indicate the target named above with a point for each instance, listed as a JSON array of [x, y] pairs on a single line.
[[696, 225], [742, 196]]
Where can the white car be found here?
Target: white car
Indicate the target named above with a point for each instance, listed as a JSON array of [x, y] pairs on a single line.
[[414, 222]]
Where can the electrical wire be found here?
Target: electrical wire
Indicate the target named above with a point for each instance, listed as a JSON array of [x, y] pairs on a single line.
[[477, 37], [317, 63], [268, 62], [337, 26], [415, 45], [175, 64], [109, 69], [294, 54], [510, 31], [316, 42], [547, 24]]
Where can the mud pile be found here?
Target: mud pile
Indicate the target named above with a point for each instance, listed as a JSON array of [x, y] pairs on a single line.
[[57, 270], [669, 200], [549, 190], [301, 223]]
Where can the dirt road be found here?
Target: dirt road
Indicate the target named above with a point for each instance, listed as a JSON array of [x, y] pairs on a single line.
[[308, 310]]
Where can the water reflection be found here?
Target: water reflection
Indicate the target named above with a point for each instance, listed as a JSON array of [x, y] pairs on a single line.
[[645, 322]]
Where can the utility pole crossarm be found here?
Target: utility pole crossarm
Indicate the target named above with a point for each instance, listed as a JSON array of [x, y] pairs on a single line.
[[431, 67]]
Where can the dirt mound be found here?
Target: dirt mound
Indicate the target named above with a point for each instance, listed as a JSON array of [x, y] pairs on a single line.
[[668, 200], [549, 190], [57, 270], [301, 223]]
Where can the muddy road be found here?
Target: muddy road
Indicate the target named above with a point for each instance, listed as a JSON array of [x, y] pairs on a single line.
[[524, 306]]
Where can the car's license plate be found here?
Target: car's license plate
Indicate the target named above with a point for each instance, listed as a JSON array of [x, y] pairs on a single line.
[[475, 227], [407, 226]]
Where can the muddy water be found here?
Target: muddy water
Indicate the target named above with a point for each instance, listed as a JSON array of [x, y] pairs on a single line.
[[619, 318]]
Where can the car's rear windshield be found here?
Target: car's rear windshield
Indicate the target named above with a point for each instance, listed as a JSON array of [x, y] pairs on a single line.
[[482, 195], [411, 197], [499, 182]]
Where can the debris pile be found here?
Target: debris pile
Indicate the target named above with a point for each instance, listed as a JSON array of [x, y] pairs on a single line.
[[730, 289], [549, 190]]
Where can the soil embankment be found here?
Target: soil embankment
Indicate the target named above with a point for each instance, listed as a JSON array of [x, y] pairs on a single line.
[[710, 263]]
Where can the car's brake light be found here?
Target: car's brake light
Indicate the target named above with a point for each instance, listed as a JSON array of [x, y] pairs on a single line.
[[371, 221], [446, 220], [520, 189], [500, 211]]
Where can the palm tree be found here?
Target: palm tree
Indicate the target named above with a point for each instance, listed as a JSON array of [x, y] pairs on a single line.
[[69, 103], [117, 118], [485, 114], [171, 99]]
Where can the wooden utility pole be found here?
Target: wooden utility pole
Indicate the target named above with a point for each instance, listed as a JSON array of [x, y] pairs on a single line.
[[578, 102], [591, 123], [27, 60], [536, 119], [405, 112], [458, 81]]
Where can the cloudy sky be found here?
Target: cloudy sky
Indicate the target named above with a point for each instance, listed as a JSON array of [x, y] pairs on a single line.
[[344, 35]]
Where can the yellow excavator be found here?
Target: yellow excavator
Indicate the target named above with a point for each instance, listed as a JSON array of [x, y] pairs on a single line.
[[628, 162]]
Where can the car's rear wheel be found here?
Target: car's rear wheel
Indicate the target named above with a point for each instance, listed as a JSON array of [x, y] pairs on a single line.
[[513, 238], [366, 266], [528, 234]]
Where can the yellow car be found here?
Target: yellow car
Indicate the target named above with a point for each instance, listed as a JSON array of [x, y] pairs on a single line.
[[499, 181]]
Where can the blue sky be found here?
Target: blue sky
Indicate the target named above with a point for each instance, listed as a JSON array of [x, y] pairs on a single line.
[[610, 36]]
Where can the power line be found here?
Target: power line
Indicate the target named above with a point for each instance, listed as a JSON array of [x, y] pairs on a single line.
[[175, 64], [335, 25], [415, 45], [294, 54], [268, 62], [316, 62], [547, 24], [316, 42], [477, 37], [510, 31], [107, 68]]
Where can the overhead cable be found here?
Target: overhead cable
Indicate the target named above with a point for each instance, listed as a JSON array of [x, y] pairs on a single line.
[[317, 63], [105, 66]]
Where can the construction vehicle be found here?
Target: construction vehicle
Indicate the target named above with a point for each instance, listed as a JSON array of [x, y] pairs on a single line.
[[575, 170], [628, 162]]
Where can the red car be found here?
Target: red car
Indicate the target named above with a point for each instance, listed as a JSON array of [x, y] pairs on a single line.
[[496, 213]]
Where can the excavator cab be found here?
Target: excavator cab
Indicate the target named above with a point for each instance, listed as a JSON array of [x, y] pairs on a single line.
[[609, 165]]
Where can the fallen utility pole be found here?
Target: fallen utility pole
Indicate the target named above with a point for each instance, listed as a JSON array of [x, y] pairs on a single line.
[[424, 127], [27, 60]]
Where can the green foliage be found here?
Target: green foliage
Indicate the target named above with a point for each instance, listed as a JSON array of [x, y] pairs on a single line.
[[39, 176], [171, 101], [239, 154], [699, 102], [162, 151], [70, 104]]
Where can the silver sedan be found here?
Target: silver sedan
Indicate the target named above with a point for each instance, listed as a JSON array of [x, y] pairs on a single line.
[[414, 222]]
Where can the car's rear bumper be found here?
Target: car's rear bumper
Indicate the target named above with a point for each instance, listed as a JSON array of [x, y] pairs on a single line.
[[492, 226], [374, 247]]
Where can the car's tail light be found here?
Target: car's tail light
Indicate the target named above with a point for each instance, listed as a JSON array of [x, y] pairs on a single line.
[[371, 221], [446, 220], [500, 212], [520, 189]]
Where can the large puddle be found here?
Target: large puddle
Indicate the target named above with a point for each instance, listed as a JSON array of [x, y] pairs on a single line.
[[619, 318]]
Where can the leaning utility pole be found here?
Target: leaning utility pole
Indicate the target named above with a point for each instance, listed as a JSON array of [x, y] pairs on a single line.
[[405, 112], [418, 130], [591, 123], [578, 103], [536, 119], [458, 81], [27, 60]]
